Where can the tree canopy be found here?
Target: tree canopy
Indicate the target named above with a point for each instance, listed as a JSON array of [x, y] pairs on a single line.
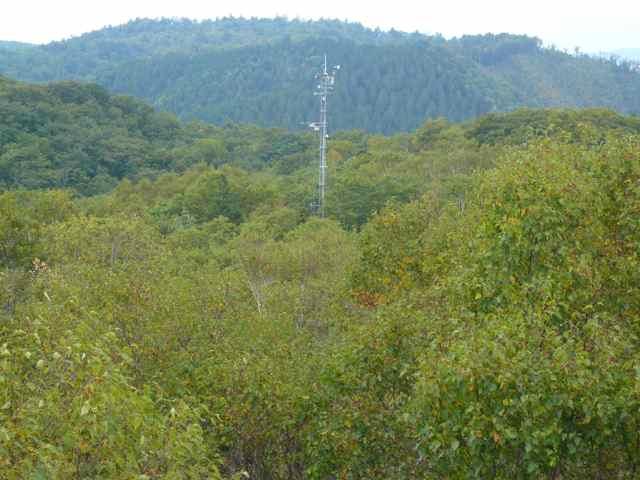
[[261, 71], [468, 309]]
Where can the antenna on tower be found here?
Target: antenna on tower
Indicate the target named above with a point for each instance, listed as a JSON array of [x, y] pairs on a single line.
[[326, 81]]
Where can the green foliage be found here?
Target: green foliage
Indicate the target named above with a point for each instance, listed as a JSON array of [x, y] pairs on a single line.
[[262, 70], [527, 125], [355, 429], [69, 410], [70, 135], [391, 247], [532, 368], [211, 197], [23, 215], [470, 308]]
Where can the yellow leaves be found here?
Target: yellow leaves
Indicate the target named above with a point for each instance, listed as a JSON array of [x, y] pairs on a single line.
[[496, 438], [83, 446], [89, 389], [333, 156], [512, 221], [407, 260], [369, 299]]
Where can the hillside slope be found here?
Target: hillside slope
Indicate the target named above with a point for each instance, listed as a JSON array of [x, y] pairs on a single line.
[[78, 136], [261, 71]]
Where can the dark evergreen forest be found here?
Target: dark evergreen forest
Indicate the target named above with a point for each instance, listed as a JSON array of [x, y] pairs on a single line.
[[262, 72]]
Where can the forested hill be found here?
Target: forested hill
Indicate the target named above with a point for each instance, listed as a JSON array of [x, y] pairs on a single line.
[[262, 71], [81, 137], [78, 136]]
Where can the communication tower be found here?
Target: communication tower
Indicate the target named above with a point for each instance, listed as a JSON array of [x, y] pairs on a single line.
[[326, 82]]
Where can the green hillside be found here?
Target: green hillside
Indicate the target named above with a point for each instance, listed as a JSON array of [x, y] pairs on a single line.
[[468, 309], [78, 136], [261, 71]]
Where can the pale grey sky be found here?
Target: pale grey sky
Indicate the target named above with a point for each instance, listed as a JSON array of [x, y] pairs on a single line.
[[592, 25]]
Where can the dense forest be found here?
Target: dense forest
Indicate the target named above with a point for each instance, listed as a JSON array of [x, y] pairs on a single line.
[[262, 71], [71, 135], [169, 309]]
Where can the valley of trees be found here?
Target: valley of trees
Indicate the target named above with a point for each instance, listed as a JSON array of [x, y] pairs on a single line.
[[169, 308], [261, 72]]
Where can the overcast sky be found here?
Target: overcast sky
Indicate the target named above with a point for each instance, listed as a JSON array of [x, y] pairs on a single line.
[[593, 26]]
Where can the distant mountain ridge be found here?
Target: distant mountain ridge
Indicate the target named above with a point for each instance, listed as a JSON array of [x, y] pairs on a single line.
[[262, 71]]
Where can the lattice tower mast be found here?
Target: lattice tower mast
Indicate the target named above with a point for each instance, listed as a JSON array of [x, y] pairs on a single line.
[[327, 80]]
